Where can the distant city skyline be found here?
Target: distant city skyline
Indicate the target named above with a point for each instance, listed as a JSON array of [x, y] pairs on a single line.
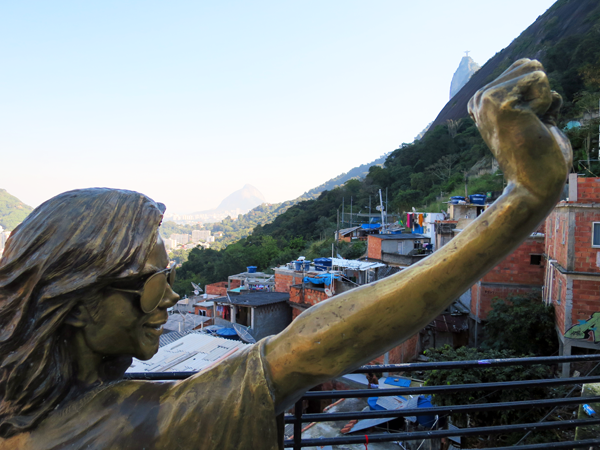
[[188, 101]]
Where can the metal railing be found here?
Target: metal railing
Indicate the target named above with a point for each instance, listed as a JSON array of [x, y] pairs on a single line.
[[299, 417]]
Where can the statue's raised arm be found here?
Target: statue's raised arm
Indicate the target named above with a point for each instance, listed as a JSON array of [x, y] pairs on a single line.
[[516, 117]]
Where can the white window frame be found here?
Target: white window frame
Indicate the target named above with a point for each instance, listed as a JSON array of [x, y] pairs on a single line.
[[593, 233]]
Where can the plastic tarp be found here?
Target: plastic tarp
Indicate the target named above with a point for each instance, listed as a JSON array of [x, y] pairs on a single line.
[[227, 332], [370, 226], [325, 279], [420, 401], [400, 382]]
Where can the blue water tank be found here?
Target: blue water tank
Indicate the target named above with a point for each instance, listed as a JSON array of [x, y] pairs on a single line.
[[251, 269], [455, 199], [298, 265], [322, 264], [306, 265], [477, 199]]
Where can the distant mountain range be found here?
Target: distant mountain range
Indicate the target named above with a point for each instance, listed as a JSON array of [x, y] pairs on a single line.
[[358, 172], [12, 211], [243, 199]]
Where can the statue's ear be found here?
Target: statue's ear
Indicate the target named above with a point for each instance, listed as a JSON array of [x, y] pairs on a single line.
[[79, 316]]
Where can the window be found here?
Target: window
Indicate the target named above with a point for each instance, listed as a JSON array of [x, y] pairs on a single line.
[[596, 234], [535, 260]]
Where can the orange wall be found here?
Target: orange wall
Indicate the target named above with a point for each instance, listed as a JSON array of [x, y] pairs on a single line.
[[511, 274], [373, 247]]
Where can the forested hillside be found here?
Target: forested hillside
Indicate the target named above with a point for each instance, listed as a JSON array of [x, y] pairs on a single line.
[[12, 211], [357, 173], [422, 174]]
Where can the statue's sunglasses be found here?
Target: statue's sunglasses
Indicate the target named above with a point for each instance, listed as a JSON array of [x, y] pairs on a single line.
[[154, 289]]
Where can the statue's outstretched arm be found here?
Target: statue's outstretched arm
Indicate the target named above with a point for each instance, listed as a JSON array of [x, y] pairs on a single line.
[[515, 115]]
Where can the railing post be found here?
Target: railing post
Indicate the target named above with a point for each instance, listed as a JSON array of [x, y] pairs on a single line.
[[298, 425]]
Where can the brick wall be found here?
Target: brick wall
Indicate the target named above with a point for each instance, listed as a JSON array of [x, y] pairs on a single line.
[[517, 268], [208, 310], [557, 236], [588, 190], [488, 293], [514, 275], [373, 247], [285, 280], [586, 301], [220, 288], [587, 258], [307, 296], [556, 293]]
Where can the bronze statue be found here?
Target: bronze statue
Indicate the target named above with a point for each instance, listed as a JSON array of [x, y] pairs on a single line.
[[83, 289]]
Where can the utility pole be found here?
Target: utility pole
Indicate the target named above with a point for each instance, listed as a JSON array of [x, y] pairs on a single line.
[[369, 208], [337, 233], [343, 208], [383, 227], [351, 217]]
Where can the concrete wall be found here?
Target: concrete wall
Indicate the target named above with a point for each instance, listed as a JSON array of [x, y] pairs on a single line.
[[401, 260], [271, 319]]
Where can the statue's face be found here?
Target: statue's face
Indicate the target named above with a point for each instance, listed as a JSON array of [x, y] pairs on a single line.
[[121, 327]]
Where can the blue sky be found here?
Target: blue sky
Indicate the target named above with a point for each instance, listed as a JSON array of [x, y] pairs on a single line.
[[187, 101]]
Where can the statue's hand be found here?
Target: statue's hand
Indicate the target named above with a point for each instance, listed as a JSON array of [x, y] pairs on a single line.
[[516, 116]]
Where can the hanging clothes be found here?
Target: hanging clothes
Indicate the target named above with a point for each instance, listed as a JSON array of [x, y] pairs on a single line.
[[408, 221], [420, 220]]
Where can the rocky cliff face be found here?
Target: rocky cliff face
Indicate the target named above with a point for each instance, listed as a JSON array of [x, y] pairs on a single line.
[[465, 71]]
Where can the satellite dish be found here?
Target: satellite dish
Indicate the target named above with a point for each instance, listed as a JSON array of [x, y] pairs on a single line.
[[244, 333], [328, 292], [196, 288]]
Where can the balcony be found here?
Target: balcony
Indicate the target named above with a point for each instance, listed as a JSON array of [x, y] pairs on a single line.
[[440, 433]]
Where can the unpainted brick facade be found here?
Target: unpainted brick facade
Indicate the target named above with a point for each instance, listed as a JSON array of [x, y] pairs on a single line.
[[373, 248], [220, 288], [572, 277], [520, 273]]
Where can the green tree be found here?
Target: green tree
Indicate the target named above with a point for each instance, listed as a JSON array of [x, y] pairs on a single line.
[[488, 374], [525, 325]]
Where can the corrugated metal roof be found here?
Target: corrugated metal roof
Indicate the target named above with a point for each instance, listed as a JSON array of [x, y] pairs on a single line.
[[448, 323], [171, 336], [400, 237], [206, 304], [192, 352], [354, 264], [185, 322], [348, 230], [255, 299]]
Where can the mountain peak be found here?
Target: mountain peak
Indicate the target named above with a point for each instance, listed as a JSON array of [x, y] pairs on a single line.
[[245, 199], [465, 71]]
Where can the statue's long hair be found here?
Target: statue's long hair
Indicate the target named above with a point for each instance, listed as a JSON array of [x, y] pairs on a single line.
[[65, 252]]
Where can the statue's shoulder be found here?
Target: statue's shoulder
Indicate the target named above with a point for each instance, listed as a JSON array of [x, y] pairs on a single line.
[[97, 419]]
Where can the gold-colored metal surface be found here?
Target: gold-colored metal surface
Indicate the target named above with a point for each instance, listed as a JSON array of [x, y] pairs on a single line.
[[71, 320]]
